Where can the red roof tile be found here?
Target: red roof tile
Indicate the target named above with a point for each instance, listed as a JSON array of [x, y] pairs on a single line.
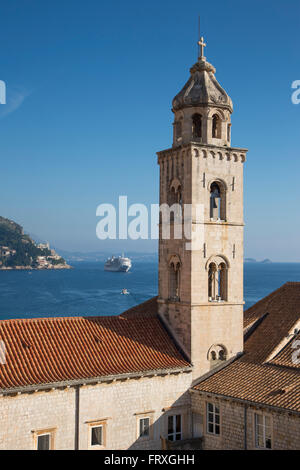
[[263, 384], [50, 350], [146, 309]]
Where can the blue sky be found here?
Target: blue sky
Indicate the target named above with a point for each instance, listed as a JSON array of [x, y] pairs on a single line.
[[89, 92]]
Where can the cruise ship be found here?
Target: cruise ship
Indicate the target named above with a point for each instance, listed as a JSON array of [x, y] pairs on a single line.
[[117, 264]]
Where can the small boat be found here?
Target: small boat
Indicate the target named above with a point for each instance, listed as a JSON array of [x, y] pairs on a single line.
[[125, 292]]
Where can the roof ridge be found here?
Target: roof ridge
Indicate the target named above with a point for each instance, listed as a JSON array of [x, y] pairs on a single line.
[[137, 310], [217, 369], [281, 367], [254, 325], [267, 297], [62, 318]]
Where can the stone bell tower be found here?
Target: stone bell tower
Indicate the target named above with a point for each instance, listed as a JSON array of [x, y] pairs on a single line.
[[201, 283]]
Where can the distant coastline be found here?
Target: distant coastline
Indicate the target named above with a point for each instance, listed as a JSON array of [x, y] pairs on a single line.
[[253, 260], [30, 268], [19, 252]]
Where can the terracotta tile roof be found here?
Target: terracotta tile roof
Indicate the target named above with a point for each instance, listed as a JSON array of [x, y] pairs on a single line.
[[50, 350], [264, 384], [282, 309], [146, 309], [266, 372], [289, 291]]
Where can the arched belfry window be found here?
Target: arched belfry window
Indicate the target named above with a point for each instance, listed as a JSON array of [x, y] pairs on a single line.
[[197, 125], [217, 201], [222, 281], [216, 127], [172, 196], [212, 279], [217, 353], [174, 278], [178, 129], [179, 195], [175, 201], [175, 192], [228, 131], [217, 280], [222, 355]]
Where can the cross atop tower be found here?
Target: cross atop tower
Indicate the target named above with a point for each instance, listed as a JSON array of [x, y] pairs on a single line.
[[201, 45]]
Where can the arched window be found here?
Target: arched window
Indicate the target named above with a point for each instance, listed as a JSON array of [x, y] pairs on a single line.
[[212, 272], [175, 192], [174, 213], [217, 201], [217, 280], [179, 195], [174, 273], [217, 353], [197, 125], [172, 196], [228, 131], [216, 127], [222, 355], [222, 281], [213, 355], [178, 129]]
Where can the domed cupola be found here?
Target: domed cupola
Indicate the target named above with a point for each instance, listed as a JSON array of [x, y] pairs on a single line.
[[202, 89], [202, 108]]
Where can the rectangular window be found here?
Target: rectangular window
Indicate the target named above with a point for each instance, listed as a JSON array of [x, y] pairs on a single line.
[[212, 419], [144, 430], [43, 441], [263, 436], [174, 428], [96, 435]]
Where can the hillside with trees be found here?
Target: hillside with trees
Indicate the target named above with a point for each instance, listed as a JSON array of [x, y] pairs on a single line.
[[18, 250]]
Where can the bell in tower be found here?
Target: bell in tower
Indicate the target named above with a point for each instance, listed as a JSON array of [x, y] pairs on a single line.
[[201, 285]]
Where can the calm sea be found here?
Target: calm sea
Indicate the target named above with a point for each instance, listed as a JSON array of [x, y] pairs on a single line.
[[88, 290]]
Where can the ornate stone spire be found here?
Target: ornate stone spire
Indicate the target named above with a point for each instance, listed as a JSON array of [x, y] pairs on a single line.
[[202, 88]]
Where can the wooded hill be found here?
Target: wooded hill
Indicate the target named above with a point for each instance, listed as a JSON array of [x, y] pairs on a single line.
[[16, 248]]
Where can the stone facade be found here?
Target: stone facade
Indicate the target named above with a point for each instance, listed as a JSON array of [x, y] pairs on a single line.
[[117, 405], [194, 164], [234, 435], [24, 414]]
